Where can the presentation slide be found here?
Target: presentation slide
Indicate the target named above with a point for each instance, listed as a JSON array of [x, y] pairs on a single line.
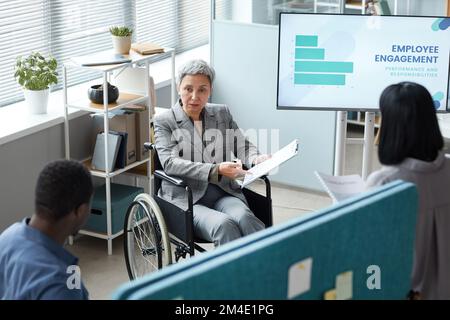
[[343, 62]]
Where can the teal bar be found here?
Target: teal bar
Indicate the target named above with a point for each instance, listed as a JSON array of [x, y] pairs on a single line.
[[306, 41], [307, 53], [323, 66], [320, 79]]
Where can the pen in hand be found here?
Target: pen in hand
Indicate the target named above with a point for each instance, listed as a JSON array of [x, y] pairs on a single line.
[[239, 166]]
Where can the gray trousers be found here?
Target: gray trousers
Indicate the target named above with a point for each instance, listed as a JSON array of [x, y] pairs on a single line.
[[221, 218]]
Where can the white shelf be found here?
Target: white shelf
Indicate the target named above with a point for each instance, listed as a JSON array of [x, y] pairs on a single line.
[[125, 99], [135, 57], [361, 123], [360, 120], [103, 174], [100, 235], [353, 6], [327, 4], [356, 5]]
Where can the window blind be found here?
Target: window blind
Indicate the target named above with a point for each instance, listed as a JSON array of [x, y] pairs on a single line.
[[66, 28], [193, 23], [23, 29], [178, 24], [81, 27], [223, 9]]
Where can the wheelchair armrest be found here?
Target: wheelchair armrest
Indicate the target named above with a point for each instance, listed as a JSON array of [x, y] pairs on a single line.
[[266, 181], [179, 183], [149, 145], [175, 181], [268, 187]]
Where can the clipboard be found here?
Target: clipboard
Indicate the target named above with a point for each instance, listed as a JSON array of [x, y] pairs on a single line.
[[279, 157]]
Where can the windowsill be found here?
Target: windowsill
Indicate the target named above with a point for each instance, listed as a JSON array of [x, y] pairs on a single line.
[[16, 123]]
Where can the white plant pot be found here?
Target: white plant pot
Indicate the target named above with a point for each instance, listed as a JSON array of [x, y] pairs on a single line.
[[122, 44], [36, 100]]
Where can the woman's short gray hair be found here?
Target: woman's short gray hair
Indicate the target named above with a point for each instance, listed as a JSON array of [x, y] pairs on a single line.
[[195, 67]]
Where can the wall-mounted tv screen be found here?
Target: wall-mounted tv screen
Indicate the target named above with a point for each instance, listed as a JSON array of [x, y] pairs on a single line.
[[343, 62]]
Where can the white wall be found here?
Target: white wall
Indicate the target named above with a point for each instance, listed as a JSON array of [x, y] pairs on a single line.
[[242, 10], [22, 159], [245, 57]]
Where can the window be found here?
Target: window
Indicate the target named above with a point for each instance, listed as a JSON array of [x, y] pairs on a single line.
[[23, 28], [65, 28]]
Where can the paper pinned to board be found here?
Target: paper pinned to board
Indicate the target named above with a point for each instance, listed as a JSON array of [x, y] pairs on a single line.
[[299, 278], [344, 286], [341, 187], [277, 159]]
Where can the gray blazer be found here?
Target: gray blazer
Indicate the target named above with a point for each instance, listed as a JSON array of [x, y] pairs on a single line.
[[184, 154], [431, 269]]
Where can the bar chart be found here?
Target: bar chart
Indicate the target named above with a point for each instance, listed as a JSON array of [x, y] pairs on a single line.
[[311, 68]]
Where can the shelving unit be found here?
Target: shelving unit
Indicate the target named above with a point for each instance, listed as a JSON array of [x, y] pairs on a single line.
[[124, 100], [359, 6], [360, 119], [321, 6], [307, 6], [349, 6]]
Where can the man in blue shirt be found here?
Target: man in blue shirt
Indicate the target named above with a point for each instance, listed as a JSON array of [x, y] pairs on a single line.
[[33, 261]]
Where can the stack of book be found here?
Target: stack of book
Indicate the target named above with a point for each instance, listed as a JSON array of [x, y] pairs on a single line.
[[146, 48], [98, 159]]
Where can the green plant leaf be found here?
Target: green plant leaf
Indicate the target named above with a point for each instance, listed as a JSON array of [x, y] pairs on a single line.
[[35, 72], [121, 31]]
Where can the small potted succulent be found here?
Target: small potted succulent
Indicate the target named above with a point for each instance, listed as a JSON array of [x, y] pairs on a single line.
[[35, 74], [121, 36]]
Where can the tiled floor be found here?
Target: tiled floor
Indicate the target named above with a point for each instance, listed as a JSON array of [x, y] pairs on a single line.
[[102, 274]]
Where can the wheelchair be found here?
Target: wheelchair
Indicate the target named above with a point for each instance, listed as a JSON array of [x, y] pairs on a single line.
[[152, 224]]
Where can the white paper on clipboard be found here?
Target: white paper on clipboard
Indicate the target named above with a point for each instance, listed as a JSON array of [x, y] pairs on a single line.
[[277, 158]]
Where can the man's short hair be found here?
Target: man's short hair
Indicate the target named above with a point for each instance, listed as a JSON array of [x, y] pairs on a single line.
[[62, 186]]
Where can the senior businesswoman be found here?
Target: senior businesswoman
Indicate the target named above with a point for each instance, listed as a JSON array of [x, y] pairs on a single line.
[[197, 141]]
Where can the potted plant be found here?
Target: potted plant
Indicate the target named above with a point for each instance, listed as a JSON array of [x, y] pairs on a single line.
[[121, 36], [35, 74]]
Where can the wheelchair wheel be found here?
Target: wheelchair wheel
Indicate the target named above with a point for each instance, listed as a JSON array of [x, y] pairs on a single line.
[[146, 242]]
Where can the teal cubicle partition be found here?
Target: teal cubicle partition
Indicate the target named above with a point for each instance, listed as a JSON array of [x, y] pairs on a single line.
[[373, 229]]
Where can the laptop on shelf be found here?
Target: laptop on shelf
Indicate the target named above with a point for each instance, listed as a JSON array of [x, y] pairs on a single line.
[[99, 59]]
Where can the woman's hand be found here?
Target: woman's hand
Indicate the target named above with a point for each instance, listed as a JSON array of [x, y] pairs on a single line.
[[231, 170]]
